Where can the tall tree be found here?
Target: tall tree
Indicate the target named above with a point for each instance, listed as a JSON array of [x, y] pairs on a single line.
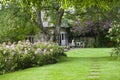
[[14, 24]]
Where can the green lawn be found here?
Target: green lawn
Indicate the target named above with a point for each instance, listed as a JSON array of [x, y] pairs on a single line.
[[76, 66]]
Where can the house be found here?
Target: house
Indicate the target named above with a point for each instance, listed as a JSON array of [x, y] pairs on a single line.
[[51, 28]]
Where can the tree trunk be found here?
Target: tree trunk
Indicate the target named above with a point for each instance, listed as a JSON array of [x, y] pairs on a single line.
[[39, 20], [98, 34], [59, 14], [40, 25]]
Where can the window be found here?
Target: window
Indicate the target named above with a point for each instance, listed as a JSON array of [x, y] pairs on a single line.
[[62, 36], [30, 38]]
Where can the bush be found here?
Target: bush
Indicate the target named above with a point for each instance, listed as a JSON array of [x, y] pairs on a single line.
[[25, 54], [114, 35]]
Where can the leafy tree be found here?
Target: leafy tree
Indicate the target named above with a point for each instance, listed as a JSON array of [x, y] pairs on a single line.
[[14, 24], [36, 7], [60, 6], [95, 21]]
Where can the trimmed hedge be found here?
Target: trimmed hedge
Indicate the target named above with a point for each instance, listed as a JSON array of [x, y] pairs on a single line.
[[25, 54]]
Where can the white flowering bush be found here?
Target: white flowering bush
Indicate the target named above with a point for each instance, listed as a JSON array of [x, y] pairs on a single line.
[[114, 34], [22, 55]]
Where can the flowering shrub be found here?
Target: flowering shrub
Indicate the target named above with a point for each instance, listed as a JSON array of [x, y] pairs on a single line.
[[114, 34], [25, 54]]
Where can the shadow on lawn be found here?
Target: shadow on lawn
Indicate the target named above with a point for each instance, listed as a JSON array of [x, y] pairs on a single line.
[[73, 59]]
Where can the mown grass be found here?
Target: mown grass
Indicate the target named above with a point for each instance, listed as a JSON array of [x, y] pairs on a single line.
[[75, 67]]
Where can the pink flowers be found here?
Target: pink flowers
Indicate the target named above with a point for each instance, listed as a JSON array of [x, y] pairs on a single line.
[[38, 50], [25, 54], [27, 47]]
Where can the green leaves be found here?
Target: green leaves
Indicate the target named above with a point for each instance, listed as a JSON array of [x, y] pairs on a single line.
[[14, 24], [114, 33]]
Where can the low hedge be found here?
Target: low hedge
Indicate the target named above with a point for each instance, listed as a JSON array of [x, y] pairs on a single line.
[[25, 54]]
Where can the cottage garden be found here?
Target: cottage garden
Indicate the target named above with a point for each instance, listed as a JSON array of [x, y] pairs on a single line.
[[59, 39]]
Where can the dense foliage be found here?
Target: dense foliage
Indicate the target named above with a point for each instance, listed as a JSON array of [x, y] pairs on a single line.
[[25, 54], [34, 7], [95, 22], [14, 24], [114, 34]]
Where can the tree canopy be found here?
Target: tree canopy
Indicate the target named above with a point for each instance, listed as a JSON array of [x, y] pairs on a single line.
[[34, 8], [14, 24]]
